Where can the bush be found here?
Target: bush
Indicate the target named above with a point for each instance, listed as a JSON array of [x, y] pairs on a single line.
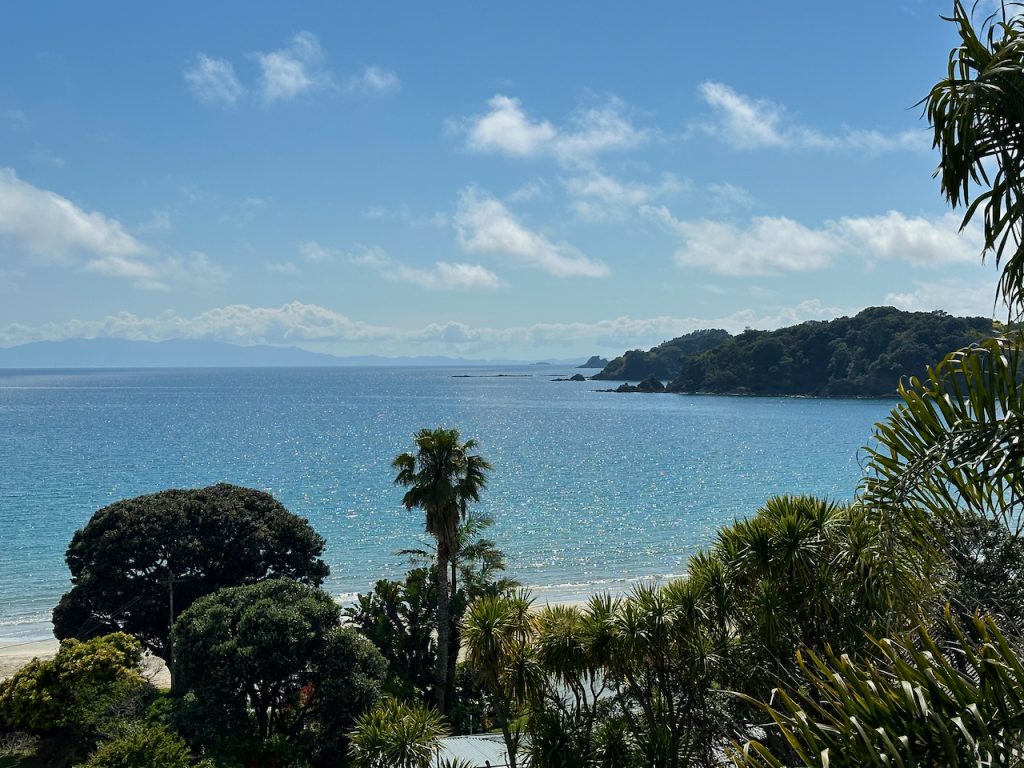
[[151, 746]]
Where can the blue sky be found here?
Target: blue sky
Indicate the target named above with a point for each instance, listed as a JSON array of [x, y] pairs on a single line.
[[515, 180]]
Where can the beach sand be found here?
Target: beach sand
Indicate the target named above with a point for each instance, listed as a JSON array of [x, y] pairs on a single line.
[[14, 657]]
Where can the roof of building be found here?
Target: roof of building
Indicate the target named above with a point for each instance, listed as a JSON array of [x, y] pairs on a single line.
[[478, 750]]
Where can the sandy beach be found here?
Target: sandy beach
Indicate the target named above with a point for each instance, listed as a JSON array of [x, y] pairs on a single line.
[[14, 657]]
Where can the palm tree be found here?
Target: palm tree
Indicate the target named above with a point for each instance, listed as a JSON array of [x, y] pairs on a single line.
[[977, 115], [476, 565], [443, 477], [498, 631]]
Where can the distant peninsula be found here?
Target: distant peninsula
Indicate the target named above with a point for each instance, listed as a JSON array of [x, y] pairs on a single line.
[[861, 356], [663, 361], [595, 362]]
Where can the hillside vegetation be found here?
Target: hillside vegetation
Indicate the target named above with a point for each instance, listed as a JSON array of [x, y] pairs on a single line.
[[861, 356], [663, 361]]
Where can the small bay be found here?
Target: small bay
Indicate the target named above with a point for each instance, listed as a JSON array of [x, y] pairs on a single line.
[[589, 490]]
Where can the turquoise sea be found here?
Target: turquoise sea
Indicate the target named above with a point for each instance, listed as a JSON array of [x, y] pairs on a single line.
[[589, 490]]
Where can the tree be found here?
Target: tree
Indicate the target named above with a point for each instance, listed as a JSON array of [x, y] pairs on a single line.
[[140, 562], [476, 566], [270, 665], [443, 477], [497, 631], [400, 619]]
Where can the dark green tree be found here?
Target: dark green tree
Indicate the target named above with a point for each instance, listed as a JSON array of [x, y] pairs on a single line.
[[138, 563], [443, 477], [400, 618], [269, 668]]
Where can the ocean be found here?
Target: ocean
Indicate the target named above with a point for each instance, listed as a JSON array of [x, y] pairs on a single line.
[[590, 491]]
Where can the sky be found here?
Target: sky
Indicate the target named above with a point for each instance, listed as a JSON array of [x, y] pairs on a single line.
[[517, 180]]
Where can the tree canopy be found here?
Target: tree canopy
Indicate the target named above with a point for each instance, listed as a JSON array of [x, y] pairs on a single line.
[[139, 562]]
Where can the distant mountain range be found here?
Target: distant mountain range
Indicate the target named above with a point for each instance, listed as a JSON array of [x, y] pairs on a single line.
[[191, 353]]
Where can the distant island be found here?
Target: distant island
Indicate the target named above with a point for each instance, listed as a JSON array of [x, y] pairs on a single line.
[[595, 362], [199, 353], [861, 356]]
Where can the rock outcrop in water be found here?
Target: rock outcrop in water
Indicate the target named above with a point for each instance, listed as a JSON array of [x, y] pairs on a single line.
[[649, 385]]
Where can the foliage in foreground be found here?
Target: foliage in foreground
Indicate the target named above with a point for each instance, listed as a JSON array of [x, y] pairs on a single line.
[[906, 704], [976, 113]]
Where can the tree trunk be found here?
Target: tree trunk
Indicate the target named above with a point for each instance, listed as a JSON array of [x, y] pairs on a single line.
[[443, 628], [511, 745], [454, 639]]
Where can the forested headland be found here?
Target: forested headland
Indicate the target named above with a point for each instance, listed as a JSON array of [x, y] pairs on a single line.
[[861, 356]]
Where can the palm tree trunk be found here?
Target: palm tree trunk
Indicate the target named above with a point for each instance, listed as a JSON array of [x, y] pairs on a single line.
[[443, 627], [455, 638]]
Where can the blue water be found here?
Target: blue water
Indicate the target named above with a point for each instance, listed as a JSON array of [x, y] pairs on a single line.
[[589, 490]]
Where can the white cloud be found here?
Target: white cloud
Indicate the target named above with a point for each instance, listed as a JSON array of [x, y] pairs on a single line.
[[920, 241], [727, 197], [315, 253], [507, 129], [769, 245], [600, 197], [485, 225], [282, 267], [293, 70], [953, 296], [50, 229], [213, 81], [238, 323], [766, 246], [527, 191], [405, 214], [160, 221], [298, 323], [747, 123], [375, 80], [443, 276]]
